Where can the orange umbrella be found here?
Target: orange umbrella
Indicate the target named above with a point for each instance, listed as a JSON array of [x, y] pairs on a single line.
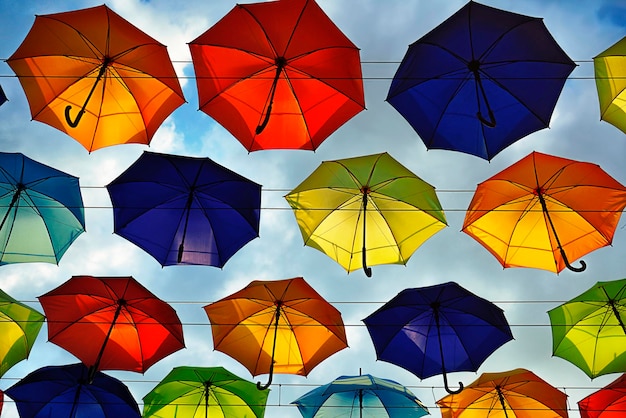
[[96, 77], [278, 75], [281, 326], [517, 393], [544, 211]]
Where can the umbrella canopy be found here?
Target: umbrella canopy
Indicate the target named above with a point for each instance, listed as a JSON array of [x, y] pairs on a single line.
[[278, 75], [41, 211], [517, 393], [184, 210], [340, 198], [111, 323], [96, 77], [545, 212], [480, 81], [437, 329], [3, 97], [19, 327], [589, 330], [610, 73], [281, 326], [608, 402], [204, 392], [360, 396], [64, 391]]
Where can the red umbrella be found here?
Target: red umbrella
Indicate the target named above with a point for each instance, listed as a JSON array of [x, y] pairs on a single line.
[[608, 402], [111, 323], [278, 75]]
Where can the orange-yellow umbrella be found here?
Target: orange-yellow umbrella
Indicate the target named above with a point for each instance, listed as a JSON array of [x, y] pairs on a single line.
[[517, 393], [545, 211], [281, 326], [95, 76]]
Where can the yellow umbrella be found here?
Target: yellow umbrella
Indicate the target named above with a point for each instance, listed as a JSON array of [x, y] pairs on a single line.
[[19, 327], [610, 73], [368, 209]]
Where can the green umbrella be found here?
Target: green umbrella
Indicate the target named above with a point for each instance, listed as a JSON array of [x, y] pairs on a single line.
[[204, 392], [19, 326], [589, 330]]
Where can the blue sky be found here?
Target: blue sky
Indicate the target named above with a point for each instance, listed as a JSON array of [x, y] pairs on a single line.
[[382, 30]]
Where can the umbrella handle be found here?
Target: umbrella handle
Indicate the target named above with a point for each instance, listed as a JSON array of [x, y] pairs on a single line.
[[68, 108], [259, 385], [582, 267], [68, 117], [490, 123], [280, 64], [367, 270], [544, 207], [435, 308], [447, 388], [474, 67]]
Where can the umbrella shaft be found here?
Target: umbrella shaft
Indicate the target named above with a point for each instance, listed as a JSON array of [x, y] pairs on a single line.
[[16, 196], [617, 315], [96, 364], [501, 397]]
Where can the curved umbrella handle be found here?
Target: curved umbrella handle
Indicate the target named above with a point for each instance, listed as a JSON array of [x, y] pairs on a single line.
[[259, 385], [367, 270], [582, 267], [68, 108], [68, 117], [544, 207], [490, 123], [447, 388], [474, 67], [280, 64], [435, 308]]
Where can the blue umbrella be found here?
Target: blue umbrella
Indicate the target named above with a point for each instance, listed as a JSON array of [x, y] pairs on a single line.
[[41, 211], [480, 81], [185, 210], [369, 395], [63, 391], [437, 329]]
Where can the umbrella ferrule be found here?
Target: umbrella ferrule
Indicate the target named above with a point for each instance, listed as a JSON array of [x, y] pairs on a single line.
[[474, 66], [281, 62]]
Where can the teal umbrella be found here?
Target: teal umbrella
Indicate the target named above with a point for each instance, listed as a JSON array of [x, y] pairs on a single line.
[[41, 211], [204, 392], [360, 396]]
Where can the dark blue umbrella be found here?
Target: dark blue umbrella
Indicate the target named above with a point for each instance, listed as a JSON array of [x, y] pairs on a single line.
[[480, 81], [360, 396], [3, 97], [63, 391], [185, 210], [437, 329]]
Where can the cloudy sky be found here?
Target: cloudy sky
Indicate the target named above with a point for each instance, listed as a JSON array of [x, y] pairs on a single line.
[[382, 30]]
